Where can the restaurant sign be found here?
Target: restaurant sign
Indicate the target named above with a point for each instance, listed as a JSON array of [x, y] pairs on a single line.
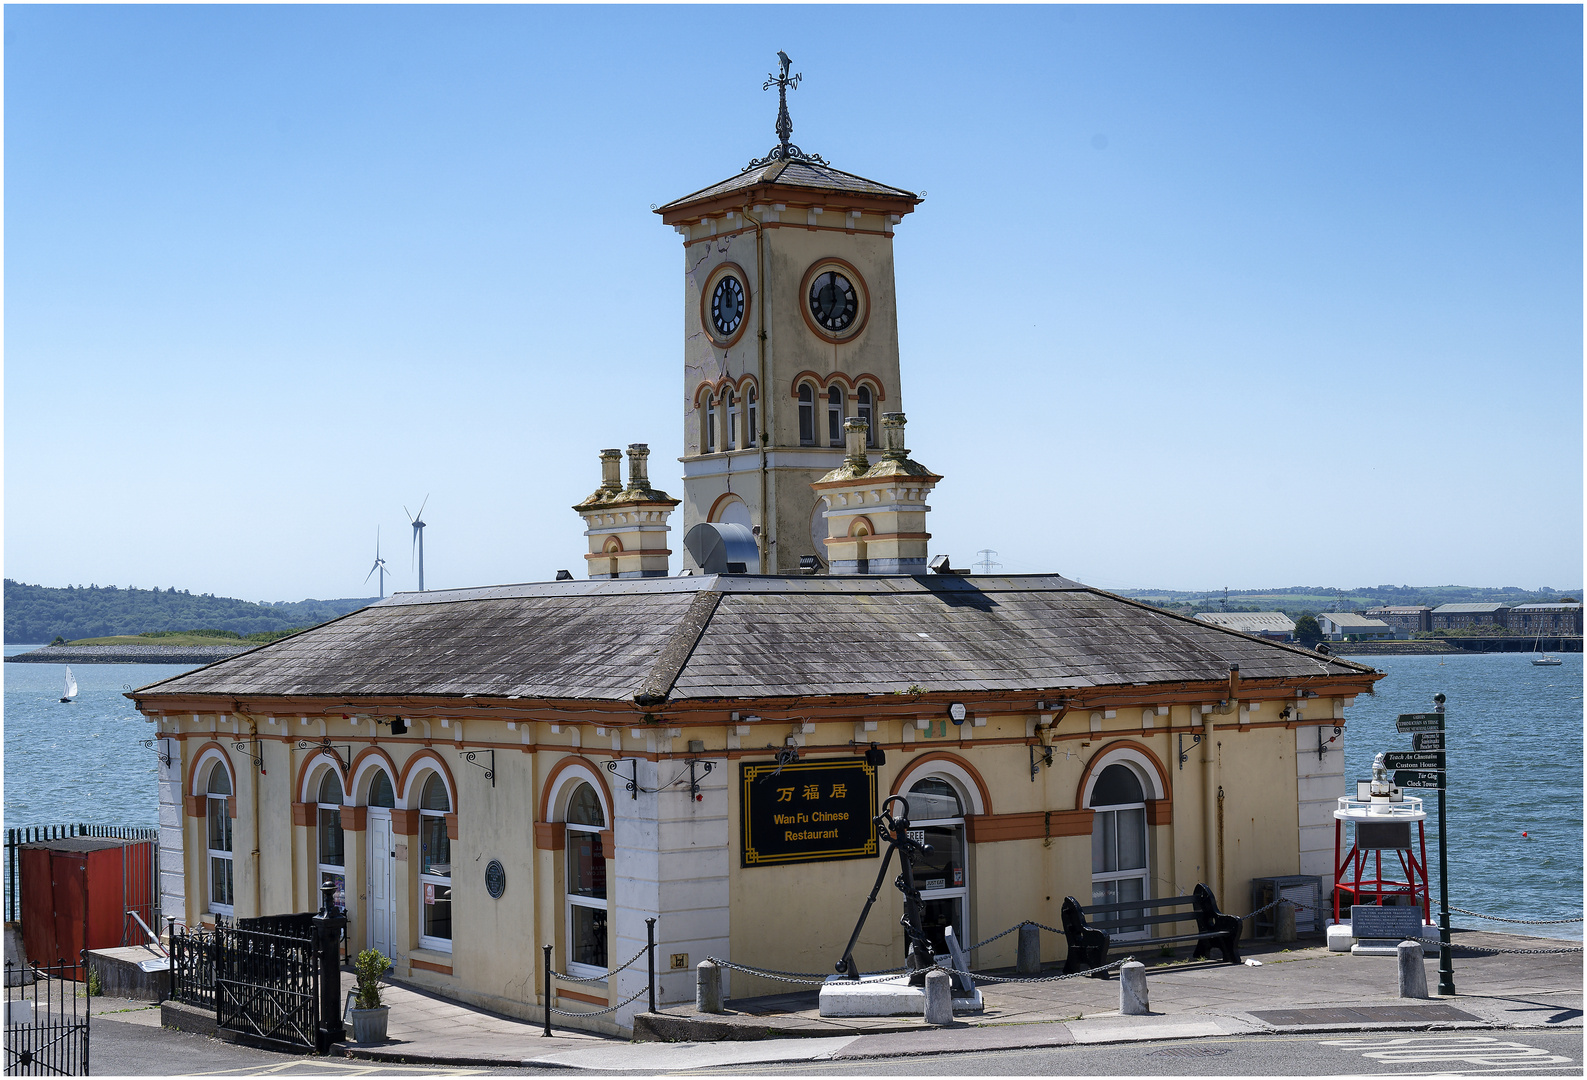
[[808, 811]]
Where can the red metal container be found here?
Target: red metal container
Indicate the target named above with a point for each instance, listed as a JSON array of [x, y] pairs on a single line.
[[76, 894]]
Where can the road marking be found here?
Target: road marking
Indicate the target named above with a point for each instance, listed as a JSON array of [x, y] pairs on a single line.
[[1480, 1050]]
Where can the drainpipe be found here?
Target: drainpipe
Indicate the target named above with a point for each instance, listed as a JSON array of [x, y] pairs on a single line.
[[1209, 799], [258, 775], [761, 389]]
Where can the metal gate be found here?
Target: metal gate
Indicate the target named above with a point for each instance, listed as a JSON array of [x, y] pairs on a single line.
[[45, 1034], [267, 988]]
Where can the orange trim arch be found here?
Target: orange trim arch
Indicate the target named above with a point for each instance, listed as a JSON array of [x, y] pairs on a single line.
[[199, 757], [1163, 778], [562, 765], [823, 382], [860, 521], [356, 769], [923, 762], [713, 387], [722, 501], [432, 759], [308, 765]]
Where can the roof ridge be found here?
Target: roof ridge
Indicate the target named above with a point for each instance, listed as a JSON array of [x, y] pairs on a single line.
[[657, 685]]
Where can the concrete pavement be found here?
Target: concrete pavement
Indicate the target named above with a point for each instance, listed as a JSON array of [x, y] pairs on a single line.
[[1296, 990]]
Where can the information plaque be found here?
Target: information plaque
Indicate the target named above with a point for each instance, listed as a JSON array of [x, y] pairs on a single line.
[[810, 811]]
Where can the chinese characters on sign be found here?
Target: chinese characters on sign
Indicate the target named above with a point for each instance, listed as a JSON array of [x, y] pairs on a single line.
[[811, 811]]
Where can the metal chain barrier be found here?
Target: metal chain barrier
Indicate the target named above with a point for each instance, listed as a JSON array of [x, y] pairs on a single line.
[[1490, 949], [809, 978], [1527, 922], [993, 938], [978, 977], [610, 1008], [600, 978]]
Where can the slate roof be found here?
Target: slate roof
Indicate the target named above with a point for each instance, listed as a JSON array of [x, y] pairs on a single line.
[[797, 174], [1468, 609], [740, 636], [1348, 619], [1546, 607]]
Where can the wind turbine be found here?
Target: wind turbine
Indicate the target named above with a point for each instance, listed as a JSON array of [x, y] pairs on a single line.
[[418, 536], [380, 564]]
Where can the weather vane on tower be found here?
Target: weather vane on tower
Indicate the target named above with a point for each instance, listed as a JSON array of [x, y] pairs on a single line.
[[784, 150]]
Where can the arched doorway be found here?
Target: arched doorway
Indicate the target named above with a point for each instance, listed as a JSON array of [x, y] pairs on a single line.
[[381, 905], [936, 818]]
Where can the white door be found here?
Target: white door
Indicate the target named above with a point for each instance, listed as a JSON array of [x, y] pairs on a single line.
[[380, 892]]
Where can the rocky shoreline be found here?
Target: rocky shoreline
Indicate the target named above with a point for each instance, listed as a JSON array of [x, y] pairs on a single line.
[[128, 654]]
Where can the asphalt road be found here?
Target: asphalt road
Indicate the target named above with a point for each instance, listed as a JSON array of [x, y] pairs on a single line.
[[134, 1050], [1541, 1053]]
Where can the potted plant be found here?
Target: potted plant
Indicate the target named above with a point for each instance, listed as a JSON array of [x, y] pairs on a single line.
[[369, 1015]]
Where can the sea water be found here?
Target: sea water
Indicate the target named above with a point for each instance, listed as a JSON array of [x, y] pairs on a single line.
[[1514, 733], [1513, 797]]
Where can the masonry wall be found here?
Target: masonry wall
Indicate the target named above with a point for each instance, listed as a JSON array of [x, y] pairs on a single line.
[[674, 853]]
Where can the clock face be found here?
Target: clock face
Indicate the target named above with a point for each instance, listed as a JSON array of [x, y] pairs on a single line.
[[832, 301], [727, 306]]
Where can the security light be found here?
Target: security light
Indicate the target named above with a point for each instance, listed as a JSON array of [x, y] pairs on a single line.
[[563, 575]]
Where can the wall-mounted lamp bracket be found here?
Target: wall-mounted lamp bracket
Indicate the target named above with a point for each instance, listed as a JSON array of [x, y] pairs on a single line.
[[252, 749], [694, 781], [631, 782], [325, 745], [1184, 755], [472, 757], [164, 756], [1035, 765], [1322, 747]]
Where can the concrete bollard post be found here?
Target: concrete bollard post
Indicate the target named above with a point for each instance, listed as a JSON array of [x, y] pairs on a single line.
[[1132, 990], [1028, 961], [708, 987], [939, 998], [1284, 922], [1413, 973]]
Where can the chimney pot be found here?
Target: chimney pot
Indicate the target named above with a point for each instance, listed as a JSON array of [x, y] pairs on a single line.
[[611, 470], [855, 431], [893, 435]]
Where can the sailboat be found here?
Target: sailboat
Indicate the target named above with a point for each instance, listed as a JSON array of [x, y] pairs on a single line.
[[1540, 658], [71, 688]]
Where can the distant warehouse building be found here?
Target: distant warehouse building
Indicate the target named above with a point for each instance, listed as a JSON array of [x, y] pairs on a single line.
[[1470, 616], [1340, 625], [1546, 619], [1274, 625], [1405, 620]]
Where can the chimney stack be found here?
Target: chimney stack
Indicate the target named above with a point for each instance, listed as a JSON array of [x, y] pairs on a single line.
[[876, 514], [627, 528]]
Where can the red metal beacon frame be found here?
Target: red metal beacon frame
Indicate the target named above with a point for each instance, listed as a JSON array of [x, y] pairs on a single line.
[[1382, 822]]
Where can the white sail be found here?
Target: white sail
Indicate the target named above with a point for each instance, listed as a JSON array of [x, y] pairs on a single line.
[[71, 684]]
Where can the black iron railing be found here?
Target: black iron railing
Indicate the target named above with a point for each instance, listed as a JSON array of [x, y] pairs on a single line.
[[267, 987], [193, 953], [46, 1034]]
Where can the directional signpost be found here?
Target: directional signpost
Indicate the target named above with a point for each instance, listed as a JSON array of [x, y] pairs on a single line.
[[1424, 767]]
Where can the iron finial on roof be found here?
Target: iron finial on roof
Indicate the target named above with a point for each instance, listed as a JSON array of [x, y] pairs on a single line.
[[784, 150]]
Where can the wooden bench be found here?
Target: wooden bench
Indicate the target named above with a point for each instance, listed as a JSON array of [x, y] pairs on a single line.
[[1087, 928]]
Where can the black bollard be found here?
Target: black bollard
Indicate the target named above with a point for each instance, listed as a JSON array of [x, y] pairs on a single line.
[[547, 1032], [650, 945], [328, 926]]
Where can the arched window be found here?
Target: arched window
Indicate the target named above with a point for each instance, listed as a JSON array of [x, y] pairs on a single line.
[[1118, 842], [710, 423], [863, 410], [380, 793], [435, 865], [835, 416], [730, 430], [586, 883], [752, 420], [807, 415], [332, 850], [217, 830], [936, 817]]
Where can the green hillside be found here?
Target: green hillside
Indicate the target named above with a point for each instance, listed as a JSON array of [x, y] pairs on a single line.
[[1300, 600], [36, 614]]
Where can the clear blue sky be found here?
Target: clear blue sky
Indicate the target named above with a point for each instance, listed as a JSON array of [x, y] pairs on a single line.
[[1198, 297]]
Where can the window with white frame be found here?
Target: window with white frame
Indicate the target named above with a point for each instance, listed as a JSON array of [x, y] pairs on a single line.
[[807, 415], [332, 845], [435, 865], [730, 432], [1118, 843], [710, 423], [936, 818], [586, 883], [751, 424], [862, 408], [217, 831], [835, 416]]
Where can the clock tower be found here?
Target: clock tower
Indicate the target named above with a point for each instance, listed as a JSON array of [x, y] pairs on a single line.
[[790, 328]]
